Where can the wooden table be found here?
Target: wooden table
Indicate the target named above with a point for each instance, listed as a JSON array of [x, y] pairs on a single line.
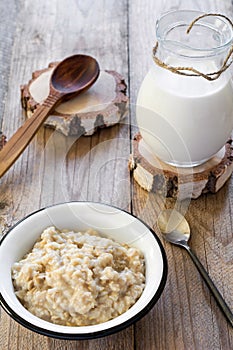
[[54, 168]]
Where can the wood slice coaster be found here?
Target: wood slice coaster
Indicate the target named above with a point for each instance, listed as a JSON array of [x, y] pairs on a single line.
[[154, 175], [2, 140], [103, 105]]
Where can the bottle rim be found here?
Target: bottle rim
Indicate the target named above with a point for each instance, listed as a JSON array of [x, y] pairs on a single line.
[[172, 19]]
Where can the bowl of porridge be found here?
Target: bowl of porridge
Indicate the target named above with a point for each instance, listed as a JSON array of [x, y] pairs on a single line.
[[80, 270]]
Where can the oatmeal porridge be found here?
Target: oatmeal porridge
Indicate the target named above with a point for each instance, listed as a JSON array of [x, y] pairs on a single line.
[[78, 278]]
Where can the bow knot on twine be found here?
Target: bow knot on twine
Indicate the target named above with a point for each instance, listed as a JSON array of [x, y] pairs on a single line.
[[194, 72]]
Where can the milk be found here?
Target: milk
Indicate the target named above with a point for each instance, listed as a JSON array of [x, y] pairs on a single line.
[[185, 120]]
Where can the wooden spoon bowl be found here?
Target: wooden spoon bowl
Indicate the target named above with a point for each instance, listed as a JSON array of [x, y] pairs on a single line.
[[74, 75]]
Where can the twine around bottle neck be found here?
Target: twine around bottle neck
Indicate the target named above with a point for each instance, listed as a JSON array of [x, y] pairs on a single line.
[[190, 71]]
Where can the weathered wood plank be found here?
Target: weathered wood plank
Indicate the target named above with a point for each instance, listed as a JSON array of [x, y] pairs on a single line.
[[8, 12], [186, 317], [55, 168]]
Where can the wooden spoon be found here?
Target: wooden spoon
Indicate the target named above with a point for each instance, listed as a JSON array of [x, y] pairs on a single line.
[[71, 77]]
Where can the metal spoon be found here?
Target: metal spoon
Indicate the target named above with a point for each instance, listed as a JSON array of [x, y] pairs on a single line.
[[72, 76], [175, 229]]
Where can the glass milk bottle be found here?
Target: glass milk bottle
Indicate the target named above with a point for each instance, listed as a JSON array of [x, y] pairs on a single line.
[[185, 103]]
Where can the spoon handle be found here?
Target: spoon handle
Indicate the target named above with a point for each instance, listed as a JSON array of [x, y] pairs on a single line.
[[218, 297], [22, 137]]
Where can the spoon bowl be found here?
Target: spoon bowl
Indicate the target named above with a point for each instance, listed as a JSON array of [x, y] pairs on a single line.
[[75, 74], [72, 76], [175, 229]]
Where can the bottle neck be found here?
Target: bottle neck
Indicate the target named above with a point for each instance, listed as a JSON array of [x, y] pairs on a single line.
[[193, 39]]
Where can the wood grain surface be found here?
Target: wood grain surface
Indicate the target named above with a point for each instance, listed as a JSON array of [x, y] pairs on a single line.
[[55, 168]]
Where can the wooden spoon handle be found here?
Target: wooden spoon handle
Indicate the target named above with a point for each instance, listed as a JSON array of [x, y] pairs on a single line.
[[22, 137]]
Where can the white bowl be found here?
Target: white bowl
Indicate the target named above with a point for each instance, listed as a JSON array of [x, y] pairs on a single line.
[[113, 222]]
